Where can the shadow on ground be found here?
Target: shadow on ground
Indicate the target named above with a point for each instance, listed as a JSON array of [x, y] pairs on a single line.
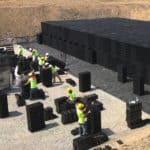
[[51, 125], [14, 113]]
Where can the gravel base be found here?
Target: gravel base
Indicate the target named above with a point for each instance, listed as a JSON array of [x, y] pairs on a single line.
[[56, 136]]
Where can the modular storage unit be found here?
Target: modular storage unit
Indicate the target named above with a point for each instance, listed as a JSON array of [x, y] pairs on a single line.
[[106, 41]]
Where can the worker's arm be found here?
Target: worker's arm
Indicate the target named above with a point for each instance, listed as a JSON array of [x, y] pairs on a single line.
[[32, 71], [16, 71], [32, 54], [27, 82], [86, 111], [68, 99]]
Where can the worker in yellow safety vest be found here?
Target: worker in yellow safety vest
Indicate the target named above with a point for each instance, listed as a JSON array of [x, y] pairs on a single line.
[[41, 62], [20, 50], [46, 56], [71, 95], [55, 74], [33, 84], [82, 117], [35, 54]]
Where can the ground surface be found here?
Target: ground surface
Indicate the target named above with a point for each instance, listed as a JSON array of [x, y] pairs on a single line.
[[14, 133], [22, 18]]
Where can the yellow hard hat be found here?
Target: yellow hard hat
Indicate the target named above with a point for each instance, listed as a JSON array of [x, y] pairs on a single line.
[[69, 90], [80, 106], [42, 58], [30, 74]]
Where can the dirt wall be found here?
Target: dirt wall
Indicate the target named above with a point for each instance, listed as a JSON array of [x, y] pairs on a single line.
[[24, 18]]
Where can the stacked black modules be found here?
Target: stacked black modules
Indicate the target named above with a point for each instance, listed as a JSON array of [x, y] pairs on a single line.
[[84, 81], [3, 106], [46, 77], [35, 116], [24, 65], [105, 41], [138, 85], [67, 110], [134, 114], [94, 120], [61, 104], [4, 84], [122, 73], [69, 116], [95, 135], [56, 62], [48, 112]]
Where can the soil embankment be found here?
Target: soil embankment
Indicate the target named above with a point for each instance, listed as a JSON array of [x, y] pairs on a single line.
[[22, 18]]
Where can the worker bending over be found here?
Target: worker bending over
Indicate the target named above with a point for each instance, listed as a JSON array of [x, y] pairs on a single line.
[[55, 74]]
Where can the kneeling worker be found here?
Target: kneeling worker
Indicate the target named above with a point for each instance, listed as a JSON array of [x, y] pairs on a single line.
[[33, 84], [71, 95], [82, 117]]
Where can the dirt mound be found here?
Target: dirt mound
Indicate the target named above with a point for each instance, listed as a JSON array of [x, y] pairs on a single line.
[[137, 139], [22, 18]]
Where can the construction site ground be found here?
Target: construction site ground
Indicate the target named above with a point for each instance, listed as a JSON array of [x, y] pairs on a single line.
[[15, 135]]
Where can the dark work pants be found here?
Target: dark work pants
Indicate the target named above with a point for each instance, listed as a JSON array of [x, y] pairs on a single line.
[[32, 92], [83, 129]]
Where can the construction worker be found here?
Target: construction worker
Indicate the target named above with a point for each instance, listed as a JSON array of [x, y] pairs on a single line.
[[46, 66], [55, 73], [81, 114], [46, 56], [41, 62], [71, 95], [20, 50], [35, 54], [17, 76], [33, 84]]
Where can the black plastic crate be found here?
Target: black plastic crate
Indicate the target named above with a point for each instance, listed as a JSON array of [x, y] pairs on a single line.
[[138, 85], [35, 116], [122, 73], [4, 112], [84, 81]]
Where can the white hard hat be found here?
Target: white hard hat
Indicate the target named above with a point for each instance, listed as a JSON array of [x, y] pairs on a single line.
[[46, 64], [30, 49], [19, 46], [46, 54], [5, 48]]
